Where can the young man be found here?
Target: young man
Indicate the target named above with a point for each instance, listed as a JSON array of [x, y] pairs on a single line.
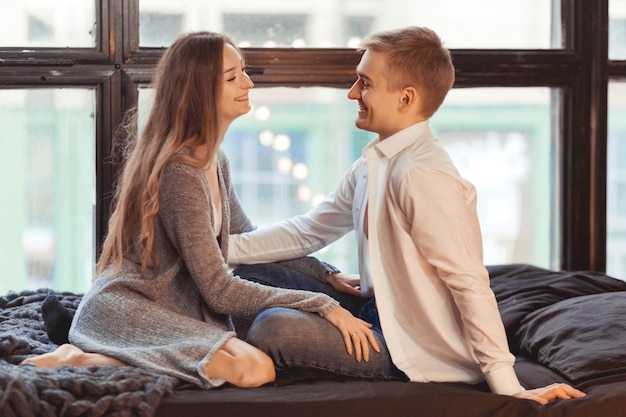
[[419, 241]]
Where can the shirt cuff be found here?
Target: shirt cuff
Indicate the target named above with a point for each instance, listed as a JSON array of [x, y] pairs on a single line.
[[503, 381], [330, 269]]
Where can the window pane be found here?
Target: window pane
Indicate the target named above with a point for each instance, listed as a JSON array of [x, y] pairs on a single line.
[[616, 179], [617, 29], [342, 23], [45, 23], [501, 140], [289, 153], [47, 180], [295, 144]]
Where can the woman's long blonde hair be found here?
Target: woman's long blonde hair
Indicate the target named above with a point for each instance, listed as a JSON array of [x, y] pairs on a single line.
[[184, 116]]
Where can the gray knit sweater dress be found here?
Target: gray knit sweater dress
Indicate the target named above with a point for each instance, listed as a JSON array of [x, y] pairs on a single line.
[[175, 320]]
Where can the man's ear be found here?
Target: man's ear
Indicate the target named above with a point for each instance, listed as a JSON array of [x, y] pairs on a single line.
[[409, 99]]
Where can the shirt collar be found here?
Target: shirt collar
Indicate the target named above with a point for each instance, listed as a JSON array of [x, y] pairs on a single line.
[[395, 143]]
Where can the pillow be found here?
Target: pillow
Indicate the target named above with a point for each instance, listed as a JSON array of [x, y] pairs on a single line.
[[523, 289], [581, 338]]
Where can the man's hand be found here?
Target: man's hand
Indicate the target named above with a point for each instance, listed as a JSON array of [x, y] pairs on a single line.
[[343, 282], [549, 393]]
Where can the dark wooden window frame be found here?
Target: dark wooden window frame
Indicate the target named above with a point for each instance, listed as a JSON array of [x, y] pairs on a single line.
[[580, 71]]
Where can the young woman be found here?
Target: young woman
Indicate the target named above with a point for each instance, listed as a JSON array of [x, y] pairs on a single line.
[[164, 295]]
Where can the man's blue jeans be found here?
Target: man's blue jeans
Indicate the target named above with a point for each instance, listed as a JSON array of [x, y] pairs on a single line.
[[300, 340]]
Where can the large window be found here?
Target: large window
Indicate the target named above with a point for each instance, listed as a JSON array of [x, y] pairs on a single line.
[[526, 122], [42, 23], [501, 140], [47, 180], [616, 182], [292, 148], [616, 169], [510, 24], [617, 29]]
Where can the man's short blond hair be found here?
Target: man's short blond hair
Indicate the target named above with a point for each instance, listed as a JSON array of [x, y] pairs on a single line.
[[415, 56]]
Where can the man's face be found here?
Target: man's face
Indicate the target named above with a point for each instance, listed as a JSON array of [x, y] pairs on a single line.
[[378, 106]]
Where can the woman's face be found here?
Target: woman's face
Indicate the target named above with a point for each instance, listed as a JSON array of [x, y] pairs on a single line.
[[236, 84]]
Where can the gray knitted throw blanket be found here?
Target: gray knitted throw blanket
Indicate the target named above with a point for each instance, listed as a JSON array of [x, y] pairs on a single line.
[[67, 391]]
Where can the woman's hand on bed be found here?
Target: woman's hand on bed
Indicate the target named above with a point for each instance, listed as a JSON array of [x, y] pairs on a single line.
[[551, 392], [343, 282], [356, 333]]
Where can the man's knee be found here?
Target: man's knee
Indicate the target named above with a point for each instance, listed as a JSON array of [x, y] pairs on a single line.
[[295, 338], [276, 327]]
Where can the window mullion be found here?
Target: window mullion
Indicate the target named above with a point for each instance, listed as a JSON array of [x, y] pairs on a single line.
[[583, 139]]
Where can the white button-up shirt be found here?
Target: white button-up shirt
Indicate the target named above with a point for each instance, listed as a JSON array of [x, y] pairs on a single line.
[[423, 259]]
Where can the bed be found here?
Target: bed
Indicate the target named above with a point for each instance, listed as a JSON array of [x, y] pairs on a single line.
[[563, 326]]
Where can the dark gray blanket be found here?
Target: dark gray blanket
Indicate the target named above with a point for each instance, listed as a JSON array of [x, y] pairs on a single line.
[[564, 326], [90, 391]]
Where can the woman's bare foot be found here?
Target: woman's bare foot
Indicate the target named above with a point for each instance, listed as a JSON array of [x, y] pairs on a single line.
[[69, 355], [241, 364]]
